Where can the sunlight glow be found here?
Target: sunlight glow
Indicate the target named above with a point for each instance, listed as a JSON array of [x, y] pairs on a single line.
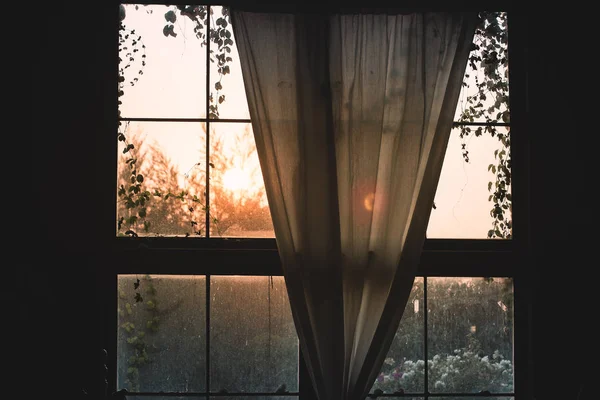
[[237, 180], [369, 200]]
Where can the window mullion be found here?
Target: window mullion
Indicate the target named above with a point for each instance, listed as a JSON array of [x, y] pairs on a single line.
[[207, 152], [425, 339], [207, 341]]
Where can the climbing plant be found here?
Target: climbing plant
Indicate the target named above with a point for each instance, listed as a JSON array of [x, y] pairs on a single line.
[[490, 103], [136, 330]]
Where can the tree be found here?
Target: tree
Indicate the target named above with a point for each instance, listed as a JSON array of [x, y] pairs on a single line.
[[169, 206]]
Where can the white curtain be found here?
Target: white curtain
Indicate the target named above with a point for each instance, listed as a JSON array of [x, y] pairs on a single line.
[[351, 116]]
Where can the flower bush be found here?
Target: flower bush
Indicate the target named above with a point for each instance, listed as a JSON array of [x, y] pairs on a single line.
[[466, 370]]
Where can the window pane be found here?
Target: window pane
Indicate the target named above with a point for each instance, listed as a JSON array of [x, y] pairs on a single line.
[[161, 338], [237, 191], [403, 366], [254, 398], [131, 397], [226, 82], [170, 158], [253, 342], [474, 182], [470, 326], [483, 397], [400, 398], [484, 95], [163, 63]]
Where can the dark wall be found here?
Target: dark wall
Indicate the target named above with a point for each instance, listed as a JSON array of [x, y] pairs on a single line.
[[561, 96], [59, 272], [72, 129]]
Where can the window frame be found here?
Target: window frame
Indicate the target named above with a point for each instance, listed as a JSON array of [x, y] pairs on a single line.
[[254, 256]]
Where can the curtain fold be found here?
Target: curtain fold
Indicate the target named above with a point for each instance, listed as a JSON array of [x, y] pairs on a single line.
[[351, 115]]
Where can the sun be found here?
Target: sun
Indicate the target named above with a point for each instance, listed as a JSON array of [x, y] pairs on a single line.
[[237, 180]]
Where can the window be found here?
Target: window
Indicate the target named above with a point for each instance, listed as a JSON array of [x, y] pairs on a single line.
[[188, 165], [463, 328], [473, 199], [206, 334], [197, 237], [235, 335]]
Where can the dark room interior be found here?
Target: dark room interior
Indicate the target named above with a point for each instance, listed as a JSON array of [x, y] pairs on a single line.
[[64, 272]]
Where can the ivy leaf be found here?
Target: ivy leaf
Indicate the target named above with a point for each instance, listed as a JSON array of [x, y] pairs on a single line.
[[168, 31], [138, 298], [136, 284], [170, 16]]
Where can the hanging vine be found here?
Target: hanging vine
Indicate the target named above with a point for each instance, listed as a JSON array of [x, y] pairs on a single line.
[[137, 331], [490, 103]]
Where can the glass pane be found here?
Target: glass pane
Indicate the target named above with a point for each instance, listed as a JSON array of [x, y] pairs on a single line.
[[170, 159], [474, 184], [163, 64], [403, 368], [161, 333], [483, 397], [132, 397], [254, 398], [484, 95], [253, 342], [405, 397], [237, 191], [470, 330], [228, 96]]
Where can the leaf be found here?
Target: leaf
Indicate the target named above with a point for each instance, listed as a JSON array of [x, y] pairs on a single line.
[[168, 31], [170, 16], [136, 284], [138, 298]]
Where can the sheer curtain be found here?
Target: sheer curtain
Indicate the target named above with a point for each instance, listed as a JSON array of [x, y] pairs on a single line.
[[351, 116]]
